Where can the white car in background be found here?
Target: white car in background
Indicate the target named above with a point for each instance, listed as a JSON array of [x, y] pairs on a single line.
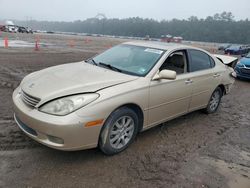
[[11, 28]]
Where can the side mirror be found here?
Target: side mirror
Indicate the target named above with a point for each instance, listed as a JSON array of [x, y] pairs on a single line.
[[165, 74]]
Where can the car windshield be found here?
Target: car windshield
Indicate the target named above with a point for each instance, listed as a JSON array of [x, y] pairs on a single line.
[[129, 59]]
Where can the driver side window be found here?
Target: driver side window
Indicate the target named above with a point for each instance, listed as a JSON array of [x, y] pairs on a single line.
[[177, 62]]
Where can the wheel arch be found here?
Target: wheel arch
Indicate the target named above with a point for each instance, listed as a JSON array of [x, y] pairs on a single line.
[[223, 89], [137, 109]]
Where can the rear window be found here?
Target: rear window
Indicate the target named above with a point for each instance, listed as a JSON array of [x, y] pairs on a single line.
[[200, 61]]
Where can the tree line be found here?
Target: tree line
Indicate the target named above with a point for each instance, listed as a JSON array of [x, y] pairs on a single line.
[[218, 28]]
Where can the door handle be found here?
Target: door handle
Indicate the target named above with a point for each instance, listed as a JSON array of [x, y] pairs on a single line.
[[216, 75], [188, 81]]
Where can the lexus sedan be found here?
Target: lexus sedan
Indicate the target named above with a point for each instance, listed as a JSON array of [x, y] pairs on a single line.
[[107, 100], [242, 68]]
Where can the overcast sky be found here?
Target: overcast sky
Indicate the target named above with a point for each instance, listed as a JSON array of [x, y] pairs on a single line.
[[70, 10]]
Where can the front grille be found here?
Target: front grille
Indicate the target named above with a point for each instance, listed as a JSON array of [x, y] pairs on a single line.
[[29, 100], [245, 71]]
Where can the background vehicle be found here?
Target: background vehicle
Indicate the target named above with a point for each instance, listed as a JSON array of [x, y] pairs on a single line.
[[224, 46], [242, 68], [24, 30], [11, 28], [15, 29], [29, 30], [237, 50]]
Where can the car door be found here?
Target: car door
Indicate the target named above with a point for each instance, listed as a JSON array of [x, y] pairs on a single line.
[[169, 98], [203, 76]]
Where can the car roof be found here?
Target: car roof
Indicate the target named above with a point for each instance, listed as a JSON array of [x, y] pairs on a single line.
[[159, 45]]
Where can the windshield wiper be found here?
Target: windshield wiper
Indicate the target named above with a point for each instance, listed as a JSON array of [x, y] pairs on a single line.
[[110, 67], [92, 61]]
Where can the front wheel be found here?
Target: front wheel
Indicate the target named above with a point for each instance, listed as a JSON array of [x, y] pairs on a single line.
[[214, 101], [119, 131]]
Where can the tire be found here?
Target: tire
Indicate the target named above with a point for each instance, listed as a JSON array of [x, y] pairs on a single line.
[[214, 101], [119, 131]]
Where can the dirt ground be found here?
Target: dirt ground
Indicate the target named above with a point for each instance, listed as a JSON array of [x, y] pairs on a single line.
[[193, 151]]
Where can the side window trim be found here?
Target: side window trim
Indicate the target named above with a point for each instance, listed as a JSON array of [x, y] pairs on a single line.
[[189, 61], [212, 62]]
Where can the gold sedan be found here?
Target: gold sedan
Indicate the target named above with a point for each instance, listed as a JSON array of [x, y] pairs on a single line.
[[107, 100]]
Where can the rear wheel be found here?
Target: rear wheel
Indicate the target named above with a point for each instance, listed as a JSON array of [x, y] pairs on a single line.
[[214, 101], [119, 131]]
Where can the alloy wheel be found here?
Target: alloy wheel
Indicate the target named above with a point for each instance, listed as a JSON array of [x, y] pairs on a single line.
[[121, 132], [215, 100]]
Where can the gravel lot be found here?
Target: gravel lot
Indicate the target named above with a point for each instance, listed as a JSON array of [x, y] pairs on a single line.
[[195, 150]]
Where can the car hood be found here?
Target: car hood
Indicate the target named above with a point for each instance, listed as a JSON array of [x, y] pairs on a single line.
[[245, 61], [71, 79]]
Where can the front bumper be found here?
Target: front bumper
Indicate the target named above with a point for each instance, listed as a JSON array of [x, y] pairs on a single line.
[[59, 132], [242, 72]]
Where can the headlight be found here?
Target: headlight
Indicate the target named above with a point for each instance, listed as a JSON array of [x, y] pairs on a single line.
[[66, 105], [239, 64]]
